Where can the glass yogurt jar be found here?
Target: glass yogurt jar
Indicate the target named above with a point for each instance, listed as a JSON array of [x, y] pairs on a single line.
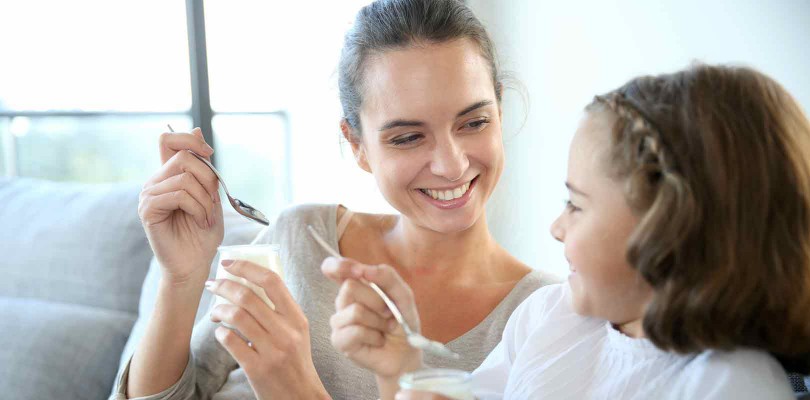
[[451, 383]]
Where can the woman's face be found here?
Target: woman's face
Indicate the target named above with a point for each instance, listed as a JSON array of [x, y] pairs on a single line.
[[431, 132], [595, 228]]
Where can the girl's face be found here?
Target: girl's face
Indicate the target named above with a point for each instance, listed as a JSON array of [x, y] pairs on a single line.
[[595, 227], [431, 132]]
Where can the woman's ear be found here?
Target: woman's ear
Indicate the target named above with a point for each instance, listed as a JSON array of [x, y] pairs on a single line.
[[358, 149]]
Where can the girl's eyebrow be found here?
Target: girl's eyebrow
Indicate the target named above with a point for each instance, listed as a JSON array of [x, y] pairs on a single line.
[[574, 189]]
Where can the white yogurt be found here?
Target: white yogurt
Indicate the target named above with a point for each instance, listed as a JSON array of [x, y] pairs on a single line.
[[264, 255], [451, 383]]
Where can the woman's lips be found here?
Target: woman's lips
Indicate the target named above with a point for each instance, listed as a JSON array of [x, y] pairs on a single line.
[[450, 198]]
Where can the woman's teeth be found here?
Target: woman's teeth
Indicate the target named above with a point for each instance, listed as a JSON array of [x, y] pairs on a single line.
[[447, 194]]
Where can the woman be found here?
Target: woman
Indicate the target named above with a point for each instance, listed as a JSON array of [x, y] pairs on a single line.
[[421, 97]]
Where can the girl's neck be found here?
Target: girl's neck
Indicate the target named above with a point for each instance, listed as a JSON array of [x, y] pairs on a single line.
[[633, 329], [461, 256]]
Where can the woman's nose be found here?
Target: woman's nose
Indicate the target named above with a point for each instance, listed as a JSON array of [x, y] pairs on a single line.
[[449, 160]]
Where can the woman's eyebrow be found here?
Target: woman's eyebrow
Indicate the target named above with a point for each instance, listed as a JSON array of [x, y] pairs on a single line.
[[396, 123], [400, 122], [473, 107]]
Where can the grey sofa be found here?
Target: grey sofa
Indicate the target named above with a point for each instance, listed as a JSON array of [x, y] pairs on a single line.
[[75, 264]]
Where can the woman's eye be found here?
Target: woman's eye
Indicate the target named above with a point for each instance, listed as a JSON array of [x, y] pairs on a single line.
[[478, 123], [571, 207], [403, 140]]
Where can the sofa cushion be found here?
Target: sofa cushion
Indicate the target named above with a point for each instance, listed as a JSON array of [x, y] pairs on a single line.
[[59, 351], [72, 243]]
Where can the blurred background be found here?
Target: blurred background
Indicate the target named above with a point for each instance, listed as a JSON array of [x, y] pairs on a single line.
[[87, 87]]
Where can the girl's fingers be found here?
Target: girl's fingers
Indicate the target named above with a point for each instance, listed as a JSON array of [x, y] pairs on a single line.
[[338, 269], [352, 338], [395, 287], [352, 291], [357, 314]]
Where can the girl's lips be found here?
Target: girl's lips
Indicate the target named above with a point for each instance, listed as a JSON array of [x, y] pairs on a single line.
[[451, 204]]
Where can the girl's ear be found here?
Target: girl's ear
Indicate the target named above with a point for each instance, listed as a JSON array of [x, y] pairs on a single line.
[[358, 149]]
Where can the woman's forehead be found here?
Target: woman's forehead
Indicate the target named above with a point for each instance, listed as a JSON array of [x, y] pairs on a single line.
[[426, 77]]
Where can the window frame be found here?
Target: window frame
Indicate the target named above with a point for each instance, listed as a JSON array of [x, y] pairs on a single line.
[[200, 112]]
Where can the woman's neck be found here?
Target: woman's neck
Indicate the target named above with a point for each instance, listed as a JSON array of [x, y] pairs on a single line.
[[462, 256]]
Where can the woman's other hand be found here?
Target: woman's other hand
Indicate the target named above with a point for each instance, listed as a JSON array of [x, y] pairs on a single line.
[[274, 346]]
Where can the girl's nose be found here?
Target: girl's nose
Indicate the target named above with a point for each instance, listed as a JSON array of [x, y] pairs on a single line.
[[557, 230]]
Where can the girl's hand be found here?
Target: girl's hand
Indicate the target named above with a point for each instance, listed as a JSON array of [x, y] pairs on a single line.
[[274, 348], [363, 328], [180, 210]]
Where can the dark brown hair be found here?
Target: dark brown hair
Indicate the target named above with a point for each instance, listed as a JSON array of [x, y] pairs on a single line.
[[716, 163], [397, 24]]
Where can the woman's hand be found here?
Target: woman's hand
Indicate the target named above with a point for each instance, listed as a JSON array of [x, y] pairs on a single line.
[[180, 209], [363, 328], [274, 348]]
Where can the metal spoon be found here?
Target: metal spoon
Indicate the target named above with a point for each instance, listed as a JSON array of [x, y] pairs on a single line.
[[415, 339], [240, 206]]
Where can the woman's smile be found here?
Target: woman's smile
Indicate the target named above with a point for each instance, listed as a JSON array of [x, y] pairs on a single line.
[[449, 197]]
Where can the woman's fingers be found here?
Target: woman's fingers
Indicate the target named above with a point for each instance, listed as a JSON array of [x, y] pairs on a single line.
[[188, 183], [244, 298], [185, 162], [155, 209], [239, 318], [271, 282], [171, 143], [237, 346]]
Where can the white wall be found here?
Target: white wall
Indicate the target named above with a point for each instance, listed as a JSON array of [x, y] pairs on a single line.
[[323, 170], [566, 52]]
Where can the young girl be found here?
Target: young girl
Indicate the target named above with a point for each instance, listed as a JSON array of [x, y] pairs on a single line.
[[688, 237]]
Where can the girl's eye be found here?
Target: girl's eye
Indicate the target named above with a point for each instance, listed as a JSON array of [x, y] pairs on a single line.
[[571, 207], [403, 140], [477, 124]]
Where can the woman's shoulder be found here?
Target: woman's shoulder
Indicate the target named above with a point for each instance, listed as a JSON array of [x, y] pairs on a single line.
[[535, 280], [308, 212], [742, 373]]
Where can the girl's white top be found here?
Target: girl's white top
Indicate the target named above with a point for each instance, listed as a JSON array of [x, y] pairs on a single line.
[[548, 351]]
